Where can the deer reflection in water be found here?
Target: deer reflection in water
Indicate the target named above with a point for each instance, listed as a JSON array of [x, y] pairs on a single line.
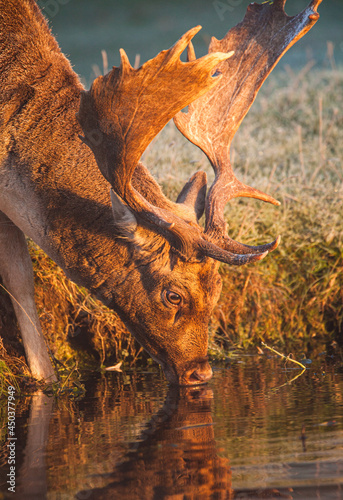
[[32, 482], [175, 455], [130, 438]]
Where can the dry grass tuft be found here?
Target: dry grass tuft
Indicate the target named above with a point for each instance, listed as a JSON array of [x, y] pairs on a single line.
[[77, 325]]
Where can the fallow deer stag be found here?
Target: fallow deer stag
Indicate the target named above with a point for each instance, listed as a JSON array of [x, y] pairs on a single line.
[[71, 177]]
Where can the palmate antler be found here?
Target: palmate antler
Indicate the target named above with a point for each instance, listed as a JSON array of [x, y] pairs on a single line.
[[211, 122], [124, 110]]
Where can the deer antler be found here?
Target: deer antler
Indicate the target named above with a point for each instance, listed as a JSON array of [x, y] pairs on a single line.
[[124, 110], [211, 122]]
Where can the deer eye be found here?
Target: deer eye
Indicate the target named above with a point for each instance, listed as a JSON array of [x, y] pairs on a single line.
[[173, 298]]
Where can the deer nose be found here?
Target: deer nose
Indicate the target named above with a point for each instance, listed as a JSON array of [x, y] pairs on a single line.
[[200, 375]]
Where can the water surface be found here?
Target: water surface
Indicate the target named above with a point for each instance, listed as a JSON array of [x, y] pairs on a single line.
[[253, 432]]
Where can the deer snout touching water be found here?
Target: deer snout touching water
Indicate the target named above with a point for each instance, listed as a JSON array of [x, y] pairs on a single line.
[[71, 177]]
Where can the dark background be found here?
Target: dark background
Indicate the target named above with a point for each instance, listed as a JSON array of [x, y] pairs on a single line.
[[85, 27]]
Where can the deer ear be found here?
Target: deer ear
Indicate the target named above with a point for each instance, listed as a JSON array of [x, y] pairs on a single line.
[[193, 193], [125, 222]]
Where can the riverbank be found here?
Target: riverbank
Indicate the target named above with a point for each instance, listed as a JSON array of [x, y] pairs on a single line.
[[291, 146]]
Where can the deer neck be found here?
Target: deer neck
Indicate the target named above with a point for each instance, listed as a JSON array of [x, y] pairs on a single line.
[[51, 187]]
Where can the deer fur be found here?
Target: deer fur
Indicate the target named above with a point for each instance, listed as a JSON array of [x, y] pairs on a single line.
[[142, 255], [52, 191]]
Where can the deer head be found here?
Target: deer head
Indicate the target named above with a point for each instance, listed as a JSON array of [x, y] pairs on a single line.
[[173, 260]]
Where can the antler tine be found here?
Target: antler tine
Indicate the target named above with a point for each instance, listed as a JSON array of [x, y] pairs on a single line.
[[315, 4], [125, 109], [211, 122], [184, 41], [234, 259], [191, 52], [239, 248]]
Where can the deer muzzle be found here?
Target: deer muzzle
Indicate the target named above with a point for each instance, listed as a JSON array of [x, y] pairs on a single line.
[[196, 372]]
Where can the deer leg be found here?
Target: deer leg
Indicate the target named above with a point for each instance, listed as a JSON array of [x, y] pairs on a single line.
[[17, 275]]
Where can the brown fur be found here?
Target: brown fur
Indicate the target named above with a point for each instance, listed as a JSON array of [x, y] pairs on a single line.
[[52, 190]]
